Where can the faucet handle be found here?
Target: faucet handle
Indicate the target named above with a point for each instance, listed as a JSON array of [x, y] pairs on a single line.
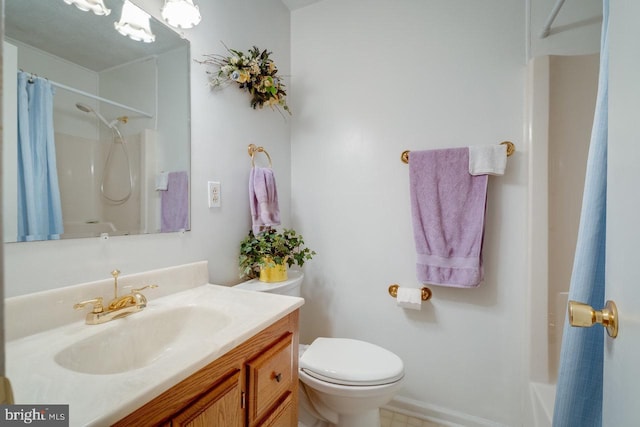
[[140, 299], [97, 305], [133, 291]]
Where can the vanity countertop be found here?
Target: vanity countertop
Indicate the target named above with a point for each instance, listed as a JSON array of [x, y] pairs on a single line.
[[101, 399]]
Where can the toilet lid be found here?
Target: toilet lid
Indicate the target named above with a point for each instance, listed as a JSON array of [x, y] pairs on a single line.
[[351, 362]]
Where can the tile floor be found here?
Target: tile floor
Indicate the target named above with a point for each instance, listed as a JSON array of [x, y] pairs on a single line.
[[394, 419]]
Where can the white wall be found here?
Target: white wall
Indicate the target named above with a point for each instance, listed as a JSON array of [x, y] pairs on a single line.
[[223, 124], [372, 78], [575, 31], [134, 84]]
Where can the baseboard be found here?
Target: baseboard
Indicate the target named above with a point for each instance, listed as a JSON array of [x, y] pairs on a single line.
[[436, 414]]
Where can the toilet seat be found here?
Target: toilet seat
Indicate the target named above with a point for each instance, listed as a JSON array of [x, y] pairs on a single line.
[[351, 362]]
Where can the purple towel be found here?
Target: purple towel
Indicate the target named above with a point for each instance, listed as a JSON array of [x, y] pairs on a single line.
[[263, 199], [448, 207], [175, 203]]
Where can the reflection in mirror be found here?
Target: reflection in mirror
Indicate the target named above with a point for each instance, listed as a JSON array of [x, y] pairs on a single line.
[[120, 125]]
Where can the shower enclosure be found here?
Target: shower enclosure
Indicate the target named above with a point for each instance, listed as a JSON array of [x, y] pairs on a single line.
[[103, 172], [561, 102]]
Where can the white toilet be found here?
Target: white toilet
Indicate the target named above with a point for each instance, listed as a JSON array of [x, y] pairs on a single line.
[[343, 381]]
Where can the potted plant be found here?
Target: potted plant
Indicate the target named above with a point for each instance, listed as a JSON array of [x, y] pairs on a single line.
[[268, 254]]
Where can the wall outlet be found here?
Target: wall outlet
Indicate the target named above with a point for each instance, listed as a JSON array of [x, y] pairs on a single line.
[[213, 195]]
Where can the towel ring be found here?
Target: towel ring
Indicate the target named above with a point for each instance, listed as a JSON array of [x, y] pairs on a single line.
[[511, 148], [253, 149]]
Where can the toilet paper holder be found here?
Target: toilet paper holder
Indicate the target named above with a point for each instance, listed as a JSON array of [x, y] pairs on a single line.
[[426, 292]]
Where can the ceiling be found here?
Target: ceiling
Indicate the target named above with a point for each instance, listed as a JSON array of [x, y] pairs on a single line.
[[82, 37]]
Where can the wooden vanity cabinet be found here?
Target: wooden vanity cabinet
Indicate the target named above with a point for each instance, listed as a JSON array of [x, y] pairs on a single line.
[[255, 384]]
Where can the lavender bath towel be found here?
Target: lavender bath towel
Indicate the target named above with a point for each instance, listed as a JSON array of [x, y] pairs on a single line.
[[263, 199], [448, 207], [174, 203]]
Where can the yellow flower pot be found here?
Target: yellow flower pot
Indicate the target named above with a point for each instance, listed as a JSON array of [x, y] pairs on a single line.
[[278, 273]]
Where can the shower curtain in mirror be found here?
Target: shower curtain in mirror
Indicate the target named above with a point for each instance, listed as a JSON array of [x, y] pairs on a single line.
[[39, 208], [579, 388]]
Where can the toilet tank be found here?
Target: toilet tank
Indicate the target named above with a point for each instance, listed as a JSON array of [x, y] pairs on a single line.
[[291, 286]]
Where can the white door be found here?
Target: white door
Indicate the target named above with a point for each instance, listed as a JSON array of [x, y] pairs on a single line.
[[621, 394]]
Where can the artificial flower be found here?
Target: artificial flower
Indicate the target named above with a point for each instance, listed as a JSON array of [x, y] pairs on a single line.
[[254, 72]]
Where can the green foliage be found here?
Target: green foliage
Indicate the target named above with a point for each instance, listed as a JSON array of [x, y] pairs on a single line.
[[269, 248]]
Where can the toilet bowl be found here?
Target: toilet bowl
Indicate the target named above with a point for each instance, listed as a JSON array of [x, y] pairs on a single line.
[[347, 380], [343, 382]]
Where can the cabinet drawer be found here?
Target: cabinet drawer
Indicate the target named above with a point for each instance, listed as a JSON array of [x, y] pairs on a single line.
[[270, 376], [282, 415]]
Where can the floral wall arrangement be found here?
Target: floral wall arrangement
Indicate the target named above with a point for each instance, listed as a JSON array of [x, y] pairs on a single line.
[[254, 72]]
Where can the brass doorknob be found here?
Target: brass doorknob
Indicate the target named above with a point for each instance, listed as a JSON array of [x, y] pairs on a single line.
[[584, 316]]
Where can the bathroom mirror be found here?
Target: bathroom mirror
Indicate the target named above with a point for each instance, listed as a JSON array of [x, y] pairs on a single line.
[[121, 121]]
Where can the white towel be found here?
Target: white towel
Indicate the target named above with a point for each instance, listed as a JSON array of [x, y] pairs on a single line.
[[162, 181], [487, 159]]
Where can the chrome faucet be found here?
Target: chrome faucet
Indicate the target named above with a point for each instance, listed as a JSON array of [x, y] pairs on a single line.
[[118, 307]]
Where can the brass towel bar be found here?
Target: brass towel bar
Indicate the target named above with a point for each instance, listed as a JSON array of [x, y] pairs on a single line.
[[253, 149], [426, 292], [511, 148]]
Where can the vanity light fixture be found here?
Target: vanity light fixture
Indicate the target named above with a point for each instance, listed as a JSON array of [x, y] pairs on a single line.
[[95, 6], [134, 23], [181, 13]]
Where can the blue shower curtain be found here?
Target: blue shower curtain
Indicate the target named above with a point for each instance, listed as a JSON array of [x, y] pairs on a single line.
[[39, 208], [579, 388]]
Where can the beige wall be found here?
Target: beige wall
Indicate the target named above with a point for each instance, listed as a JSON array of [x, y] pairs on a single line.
[[572, 96]]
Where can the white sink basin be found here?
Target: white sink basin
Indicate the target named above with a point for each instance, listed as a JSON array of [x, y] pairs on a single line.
[[138, 340]]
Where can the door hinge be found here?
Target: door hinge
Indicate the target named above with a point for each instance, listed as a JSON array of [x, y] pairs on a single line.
[[243, 399]]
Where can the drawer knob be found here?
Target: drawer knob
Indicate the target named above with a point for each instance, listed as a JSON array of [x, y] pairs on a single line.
[[277, 376]]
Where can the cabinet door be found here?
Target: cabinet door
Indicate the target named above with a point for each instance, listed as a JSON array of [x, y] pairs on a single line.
[[270, 377], [219, 407]]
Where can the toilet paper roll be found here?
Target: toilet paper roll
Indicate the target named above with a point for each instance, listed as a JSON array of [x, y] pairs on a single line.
[[409, 298]]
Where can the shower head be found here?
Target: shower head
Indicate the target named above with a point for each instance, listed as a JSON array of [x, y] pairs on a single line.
[[84, 107], [87, 109]]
